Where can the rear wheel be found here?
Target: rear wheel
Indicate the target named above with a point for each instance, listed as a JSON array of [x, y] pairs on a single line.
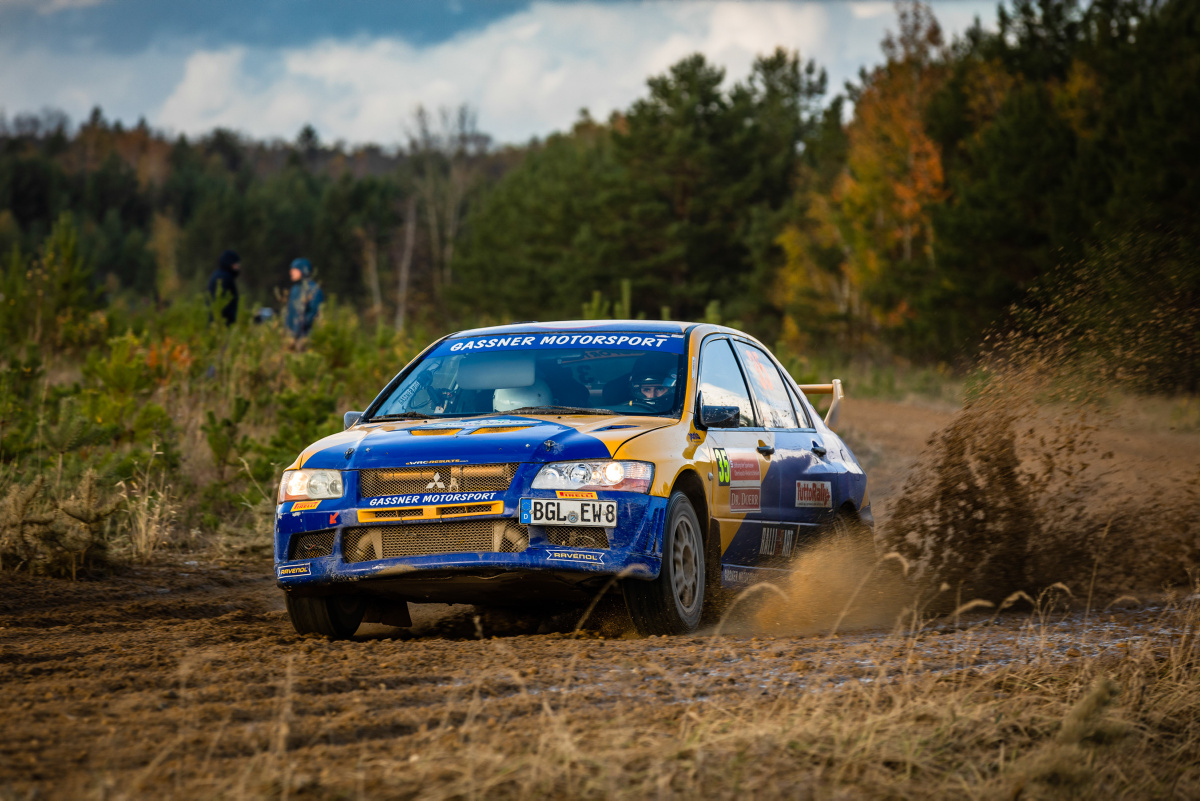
[[336, 616], [671, 603]]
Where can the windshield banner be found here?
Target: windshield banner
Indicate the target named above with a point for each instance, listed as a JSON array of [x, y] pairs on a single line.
[[664, 343]]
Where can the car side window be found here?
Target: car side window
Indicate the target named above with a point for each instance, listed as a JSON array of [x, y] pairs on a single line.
[[769, 390], [721, 382], [801, 409]]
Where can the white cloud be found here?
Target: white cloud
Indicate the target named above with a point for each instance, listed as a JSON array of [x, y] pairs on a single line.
[[527, 74], [871, 9], [51, 6]]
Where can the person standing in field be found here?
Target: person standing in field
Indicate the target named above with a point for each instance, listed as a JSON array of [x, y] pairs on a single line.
[[304, 301], [223, 283]]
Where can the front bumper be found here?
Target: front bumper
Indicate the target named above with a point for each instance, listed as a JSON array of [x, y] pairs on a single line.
[[542, 569]]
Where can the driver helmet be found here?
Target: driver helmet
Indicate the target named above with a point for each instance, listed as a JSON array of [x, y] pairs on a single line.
[[506, 399], [652, 381]]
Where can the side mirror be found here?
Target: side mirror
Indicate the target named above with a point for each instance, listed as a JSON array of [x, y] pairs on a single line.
[[350, 418], [719, 416]]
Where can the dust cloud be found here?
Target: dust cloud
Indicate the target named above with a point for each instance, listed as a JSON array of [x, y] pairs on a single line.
[[835, 585]]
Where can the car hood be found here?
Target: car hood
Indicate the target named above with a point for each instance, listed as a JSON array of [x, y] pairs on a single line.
[[491, 440]]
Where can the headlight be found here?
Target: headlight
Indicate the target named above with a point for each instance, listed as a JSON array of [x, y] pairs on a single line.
[[604, 475], [303, 485]]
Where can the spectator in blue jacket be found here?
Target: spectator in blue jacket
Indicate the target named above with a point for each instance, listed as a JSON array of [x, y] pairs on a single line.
[[304, 301], [223, 281]]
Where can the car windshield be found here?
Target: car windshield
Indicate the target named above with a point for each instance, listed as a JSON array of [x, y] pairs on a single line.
[[551, 372]]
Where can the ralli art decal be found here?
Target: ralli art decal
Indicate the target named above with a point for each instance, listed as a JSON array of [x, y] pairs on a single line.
[[777, 541]]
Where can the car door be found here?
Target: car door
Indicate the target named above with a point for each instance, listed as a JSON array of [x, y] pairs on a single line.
[[815, 474], [737, 478], [782, 532]]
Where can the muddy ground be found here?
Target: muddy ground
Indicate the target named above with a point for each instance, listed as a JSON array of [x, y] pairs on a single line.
[[185, 679]]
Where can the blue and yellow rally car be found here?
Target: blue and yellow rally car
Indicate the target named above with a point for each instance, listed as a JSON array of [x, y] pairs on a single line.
[[537, 462]]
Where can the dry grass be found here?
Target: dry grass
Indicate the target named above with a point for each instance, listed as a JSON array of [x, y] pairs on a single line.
[[912, 714]]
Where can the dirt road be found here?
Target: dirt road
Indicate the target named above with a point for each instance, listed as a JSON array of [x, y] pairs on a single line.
[[185, 680]]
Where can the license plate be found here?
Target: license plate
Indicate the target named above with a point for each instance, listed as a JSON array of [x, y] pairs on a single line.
[[558, 512]]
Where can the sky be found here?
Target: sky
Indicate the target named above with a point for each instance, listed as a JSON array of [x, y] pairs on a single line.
[[357, 70]]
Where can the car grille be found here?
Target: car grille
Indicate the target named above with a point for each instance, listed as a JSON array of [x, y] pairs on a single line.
[[311, 546], [377, 483], [364, 544], [466, 509], [577, 536], [394, 514]]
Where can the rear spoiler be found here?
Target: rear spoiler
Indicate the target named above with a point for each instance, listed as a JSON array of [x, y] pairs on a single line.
[[834, 389]]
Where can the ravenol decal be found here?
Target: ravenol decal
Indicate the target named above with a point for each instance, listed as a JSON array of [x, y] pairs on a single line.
[[294, 570], [659, 342], [814, 494], [419, 500], [300, 506], [777, 541], [576, 556], [722, 466], [579, 494]]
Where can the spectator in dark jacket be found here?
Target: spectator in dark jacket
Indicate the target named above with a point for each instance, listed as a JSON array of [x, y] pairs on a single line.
[[304, 301], [224, 282]]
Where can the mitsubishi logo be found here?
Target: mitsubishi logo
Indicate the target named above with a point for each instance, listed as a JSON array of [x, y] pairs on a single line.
[[436, 483]]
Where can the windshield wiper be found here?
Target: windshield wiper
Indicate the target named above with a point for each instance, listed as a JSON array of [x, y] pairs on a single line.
[[403, 416], [557, 410]]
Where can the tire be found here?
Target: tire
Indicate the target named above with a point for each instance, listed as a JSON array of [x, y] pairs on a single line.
[[336, 616], [716, 597], [672, 603]]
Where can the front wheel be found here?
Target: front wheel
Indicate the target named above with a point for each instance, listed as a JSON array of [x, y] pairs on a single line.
[[671, 604], [336, 616]]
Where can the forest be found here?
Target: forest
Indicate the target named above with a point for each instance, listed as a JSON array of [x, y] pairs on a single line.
[[1043, 166]]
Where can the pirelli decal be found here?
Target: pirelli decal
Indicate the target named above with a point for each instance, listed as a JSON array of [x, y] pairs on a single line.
[[576, 494]]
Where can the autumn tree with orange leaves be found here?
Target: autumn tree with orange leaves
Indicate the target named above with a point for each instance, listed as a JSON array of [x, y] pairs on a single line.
[[876, 216]]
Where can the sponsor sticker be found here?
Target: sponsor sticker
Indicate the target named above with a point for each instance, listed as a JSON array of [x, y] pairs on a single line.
[[777, 541], [576, 556], [734, 576], [744, 471], [580, 494], [745, 499], [814, 494], [694, 438], [437, 461], [441, 497], [722, 459], [300, 506], [293, 570], [665, 343]]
